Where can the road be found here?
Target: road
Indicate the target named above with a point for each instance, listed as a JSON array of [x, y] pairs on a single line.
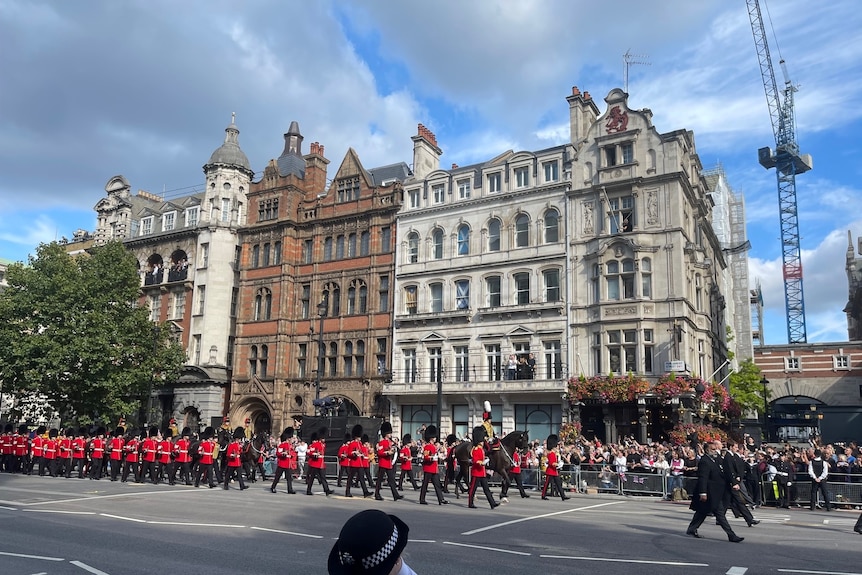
[[55, 526]]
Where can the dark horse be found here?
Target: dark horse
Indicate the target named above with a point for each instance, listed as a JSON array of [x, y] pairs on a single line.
[[251, 451], [500, 460]]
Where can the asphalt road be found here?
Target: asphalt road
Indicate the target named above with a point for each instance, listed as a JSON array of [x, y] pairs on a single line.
[[56, 526]]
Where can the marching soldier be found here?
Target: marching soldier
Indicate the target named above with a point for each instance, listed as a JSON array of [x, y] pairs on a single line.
[[286, 456], [130, 458], [343, 458], [317, 463], [49, 454], [165, 457], [79, 451], [6, 448], [115, 452], [149, 455], [64, 453], [478, 469], [386, 450], [354, 458], [431, 467], [97, 454], [515, 474], [405, 459], [552, 473], [21, 449], [208, 452], [234, 460], [368, 457], [183, 457]]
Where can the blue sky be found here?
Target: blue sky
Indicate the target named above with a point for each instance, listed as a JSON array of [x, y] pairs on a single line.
[[91, 89]]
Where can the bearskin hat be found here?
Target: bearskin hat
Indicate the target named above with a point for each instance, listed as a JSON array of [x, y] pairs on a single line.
[[239, 433], [41, 430], [154, 431], [385, 428], [407, 439], [118, 432], [22, 430], [83, 432], [102, 430], [168, 433], [479, 434], [451, 439], [70, 431], [53, 433], [347, 438], [187, 432], [356, 432], [552, 441], [314, 436], [8, 428], [287, 433], [208, 433], [430, 432]]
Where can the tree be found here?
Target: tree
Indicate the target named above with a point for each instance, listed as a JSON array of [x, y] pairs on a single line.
[[73, 339], [746, 388]]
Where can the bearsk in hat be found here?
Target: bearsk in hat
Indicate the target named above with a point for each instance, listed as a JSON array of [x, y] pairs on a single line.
[[356, 432], [552, 441], [479, 435], [287, 433], [430, 432], [385, 429], [239, 433], [154, 431]]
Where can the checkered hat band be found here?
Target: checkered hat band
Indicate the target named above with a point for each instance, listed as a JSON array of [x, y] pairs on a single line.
[[377, 558]]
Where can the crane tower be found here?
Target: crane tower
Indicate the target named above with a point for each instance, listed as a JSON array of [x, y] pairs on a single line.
[[788, 162]]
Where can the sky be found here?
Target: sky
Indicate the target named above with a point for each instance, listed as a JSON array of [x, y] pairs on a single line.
[[91, 89]]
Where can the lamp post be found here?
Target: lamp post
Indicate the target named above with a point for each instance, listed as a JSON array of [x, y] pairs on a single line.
[[321, 312], [764, 382]]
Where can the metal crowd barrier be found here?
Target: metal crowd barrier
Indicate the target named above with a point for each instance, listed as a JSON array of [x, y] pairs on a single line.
[[842, 494]]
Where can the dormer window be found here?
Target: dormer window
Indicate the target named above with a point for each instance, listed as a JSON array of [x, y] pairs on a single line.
[[347, 190], [147, 225], [169, 221], [522, 177], [464, 189], [438, 191], [551, 171], [495, 183], [192, 216], [413, 198]]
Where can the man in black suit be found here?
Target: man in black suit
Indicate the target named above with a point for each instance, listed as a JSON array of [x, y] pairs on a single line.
[[735, 467], [712, 493]]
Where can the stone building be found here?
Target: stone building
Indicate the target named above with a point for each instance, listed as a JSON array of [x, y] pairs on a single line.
[[596, 256], [853, 309], [315, 290]]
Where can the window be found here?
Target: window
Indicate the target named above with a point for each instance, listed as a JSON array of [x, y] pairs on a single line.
[[522, 288], [234, 301], [612, 280], [363, 297], [351, 246], [385, 239], [307, 251], [494, 227], [202, 298], [169, 221], [347, 189], [463, 240], [348, 358], [551, 170], [332, 359], [461, 420], [357, 297], [302, 360], [327, 250], [192, 215], [359, 358], [522, 177], [495, 183], [305, 301], [436, 290], [463, 189], [494, 361], [410, 300], [622, 351], [595, 290], [225, 209], [266, 252], [538, 419], [381, 355], [622, 214], [332, 299], [792, 364], [522, 231], [410, 365], [646, 277], [492, 290], [351, 299], [610, 156], [267, 209], [196, 345], [462, 363], [255, 256], [147, 225], [413, 198], [648, 351], [262, 360], [412, 247], [438, 192], [276, 253], [698, 292], [462, 294], [553, 360], [339, 247], [435, 364], [178, 305], [628, 279], [252, 360], [628, 152], [552, 227], [437, 244], [841, 362], [552, 285], [263, 304], [205, 255], [364, 243], [383, 293], [156, 307]]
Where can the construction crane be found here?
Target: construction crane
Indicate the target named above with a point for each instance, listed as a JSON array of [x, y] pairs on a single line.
[[788, 162]]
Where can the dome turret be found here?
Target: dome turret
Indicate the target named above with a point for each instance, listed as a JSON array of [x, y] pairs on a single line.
[[229, 153], [291, 161]]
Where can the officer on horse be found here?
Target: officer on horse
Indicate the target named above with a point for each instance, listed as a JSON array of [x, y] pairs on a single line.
[[492, 440]]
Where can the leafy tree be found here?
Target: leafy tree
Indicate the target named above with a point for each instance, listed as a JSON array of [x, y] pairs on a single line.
[[745, 387], [73, 339]]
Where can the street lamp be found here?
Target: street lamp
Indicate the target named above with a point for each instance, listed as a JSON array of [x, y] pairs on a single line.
[[764, 382], [321, 312]]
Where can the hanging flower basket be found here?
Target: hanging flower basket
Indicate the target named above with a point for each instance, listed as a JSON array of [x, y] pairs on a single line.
[[671, 385], [569, 432], [609, 389], [682, 432]]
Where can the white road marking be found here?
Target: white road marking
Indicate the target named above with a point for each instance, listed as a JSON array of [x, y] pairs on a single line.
[[639, 561], [112, 496], [86, 567], [817, 572], [486, 548], [736, 571], [533, 517], [59, 511], [23, 556], [422, 540], [8, 508], [196, 524], [287, 532], [121, 517]]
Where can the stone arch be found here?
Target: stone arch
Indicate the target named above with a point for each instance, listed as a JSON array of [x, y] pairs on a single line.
[[254, 409]]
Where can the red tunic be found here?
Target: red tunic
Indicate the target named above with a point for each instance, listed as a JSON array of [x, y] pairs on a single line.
[[429, 458], [405, 458], [38, 445], [477, 469], [115, 447], [64, 447], [315, 454], [97, 448], [79, 448], [207, 450], [553, 458], [149, 447], [21, 445], [354, 453], [385, 453], [6, 443], [131, 449], [234, 454], [165, 448], [286, 455], [181, 449], [516, 463], [49, 449]]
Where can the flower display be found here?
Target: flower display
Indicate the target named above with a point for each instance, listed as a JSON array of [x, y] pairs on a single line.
[[610, 388], [681, 433], [569, 432], [671, 385]]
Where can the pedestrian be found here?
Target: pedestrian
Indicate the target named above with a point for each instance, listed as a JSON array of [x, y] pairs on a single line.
[[431, 467], [286, 457], [818, 470], [712, 493], [386, 452], [372, 543], [234, 460], [478, 473]]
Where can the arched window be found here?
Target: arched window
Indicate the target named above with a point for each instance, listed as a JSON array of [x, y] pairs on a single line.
[[255, 256], [262, 361], [252, 360], [646, 278], [332, 299], [494, 227], [522, 231], [339, 248], [612, 279], [333, 359], [363, 297], [348, 358], [464, 240], [351, 299], [552, 227], [412, 247], [364, 243], [266, 250], [327, 249], [360, 357], [276, 253], [262, 304], [437, 243], [628, 279], [351, 246]]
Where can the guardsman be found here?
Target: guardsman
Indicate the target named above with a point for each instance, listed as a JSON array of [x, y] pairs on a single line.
[[149, 455], [64, 452], [368, 457], [552, 472], [130, 458], [183, 456], [21, 448], [207, 453], [317, 462], [515, 475], [165, 458], [97, 453], [172, 425], [115, 453], [431, 467], [234, 460], [49, 454], [405, 461], [6, 449], [354, 458], [37, 447], [79, 452], [488, 425], [386, 456], [343, 458], [451, 463], [478, 469], [285, 455]]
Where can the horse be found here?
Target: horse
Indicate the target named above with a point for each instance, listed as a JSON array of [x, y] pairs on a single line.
[[500, 460], [251, 455]]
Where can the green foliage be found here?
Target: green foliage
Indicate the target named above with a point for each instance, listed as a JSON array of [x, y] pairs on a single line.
[[745, 387], [72, 335]]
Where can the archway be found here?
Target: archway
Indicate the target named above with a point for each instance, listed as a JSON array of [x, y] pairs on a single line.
[[795, 418]]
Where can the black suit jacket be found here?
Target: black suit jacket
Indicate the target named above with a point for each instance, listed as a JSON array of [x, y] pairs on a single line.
[[712, 479]]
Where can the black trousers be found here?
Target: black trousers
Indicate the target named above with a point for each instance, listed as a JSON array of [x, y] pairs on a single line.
[[166, 472], [185, 472], [288, 475], [320, 474], [821, 488], [129, 467], [208, 470], [516, 477], [79, 464], [390, 478], [409, 474], [148, 468], [232, 472], [356, 473], [434, 479], [700, 517], [783, 492], [475, 482], [738, 506]]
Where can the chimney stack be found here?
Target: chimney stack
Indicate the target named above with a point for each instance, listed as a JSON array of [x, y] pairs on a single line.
[[426, 153], [582, 114]]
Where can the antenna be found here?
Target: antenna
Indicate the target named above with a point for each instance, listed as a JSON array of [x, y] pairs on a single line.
[[629, 60]]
